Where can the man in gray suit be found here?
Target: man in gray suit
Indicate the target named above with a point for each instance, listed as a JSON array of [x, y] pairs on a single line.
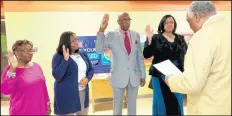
[[127, 68]]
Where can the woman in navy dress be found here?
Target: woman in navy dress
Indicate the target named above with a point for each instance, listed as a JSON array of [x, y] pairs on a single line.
[[162, 46]]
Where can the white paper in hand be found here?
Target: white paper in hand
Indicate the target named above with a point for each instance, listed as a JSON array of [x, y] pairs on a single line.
[[167, 68]]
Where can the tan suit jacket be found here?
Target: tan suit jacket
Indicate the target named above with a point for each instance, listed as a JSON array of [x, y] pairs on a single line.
[[207, 76]]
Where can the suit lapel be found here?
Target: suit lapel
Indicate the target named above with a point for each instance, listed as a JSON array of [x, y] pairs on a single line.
[[121, 40]]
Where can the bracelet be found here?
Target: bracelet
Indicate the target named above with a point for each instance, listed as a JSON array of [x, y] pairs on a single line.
[[11, 74]]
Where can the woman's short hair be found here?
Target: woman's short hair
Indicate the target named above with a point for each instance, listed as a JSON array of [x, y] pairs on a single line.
[[65, 40], [19, 43], [162, 23]]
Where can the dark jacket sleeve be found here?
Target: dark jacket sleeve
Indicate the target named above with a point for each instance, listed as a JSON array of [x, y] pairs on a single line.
[[90, 71], [148, 50], [59, 66], [183, 42], [184, 48]]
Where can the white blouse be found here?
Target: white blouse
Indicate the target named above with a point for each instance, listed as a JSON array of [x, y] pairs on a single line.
[[81, 68]]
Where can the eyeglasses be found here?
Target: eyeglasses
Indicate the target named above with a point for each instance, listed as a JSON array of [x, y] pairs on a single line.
[[171, 22], [75, 41], [27, 51], [126, 20]]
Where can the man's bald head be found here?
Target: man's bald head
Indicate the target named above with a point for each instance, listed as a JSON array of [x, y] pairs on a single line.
[[121, 14], [124, 21]]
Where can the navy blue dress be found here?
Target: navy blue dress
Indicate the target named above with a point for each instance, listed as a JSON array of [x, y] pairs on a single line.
[[165, 102]]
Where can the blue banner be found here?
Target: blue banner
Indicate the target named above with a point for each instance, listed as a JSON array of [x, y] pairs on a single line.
[[100, 62]]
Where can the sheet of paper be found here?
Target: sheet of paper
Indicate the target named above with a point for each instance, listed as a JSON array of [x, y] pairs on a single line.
[[167, 68]]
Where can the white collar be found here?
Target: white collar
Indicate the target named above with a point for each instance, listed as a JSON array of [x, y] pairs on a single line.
[[209, 19]]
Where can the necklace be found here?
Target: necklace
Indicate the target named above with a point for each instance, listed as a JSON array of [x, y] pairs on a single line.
[[169, 36], [173, 36]]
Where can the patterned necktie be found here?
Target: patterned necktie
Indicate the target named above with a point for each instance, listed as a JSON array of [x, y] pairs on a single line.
[[127, 43]]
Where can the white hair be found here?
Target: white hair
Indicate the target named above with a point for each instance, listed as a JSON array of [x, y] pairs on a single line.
[[203, 8]]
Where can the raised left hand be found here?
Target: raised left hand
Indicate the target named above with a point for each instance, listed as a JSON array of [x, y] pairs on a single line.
[[142, 82], [84, 81]]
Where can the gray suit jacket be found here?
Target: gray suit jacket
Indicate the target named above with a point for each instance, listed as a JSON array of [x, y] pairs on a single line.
[[124, 68]]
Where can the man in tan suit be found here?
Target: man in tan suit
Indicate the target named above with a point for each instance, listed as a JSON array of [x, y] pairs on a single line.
[[207, 68]]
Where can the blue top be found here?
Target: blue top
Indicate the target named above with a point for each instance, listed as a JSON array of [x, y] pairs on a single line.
[[66, 92]]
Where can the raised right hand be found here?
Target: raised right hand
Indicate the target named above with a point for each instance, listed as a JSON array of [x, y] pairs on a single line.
[[12, 59], [104, 23], [149, 33], [65, 53]]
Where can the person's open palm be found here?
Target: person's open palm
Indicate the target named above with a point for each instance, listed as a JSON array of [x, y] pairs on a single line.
[[104, 22], [149, 33], [12, 59], [65, 53]]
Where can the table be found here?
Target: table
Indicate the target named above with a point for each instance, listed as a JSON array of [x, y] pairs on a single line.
[[102, 95]]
